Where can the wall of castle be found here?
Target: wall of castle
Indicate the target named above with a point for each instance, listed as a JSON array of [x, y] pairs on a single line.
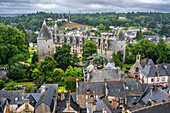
[[45, 47]]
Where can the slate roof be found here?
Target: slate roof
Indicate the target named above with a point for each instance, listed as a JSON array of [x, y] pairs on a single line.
[[116, 88], [55, 86], [69, 98], [135, 107], [95, 87], [12, 95], [157, 108], [110, 66], [74, 97], [133, 86], [132, 100], [168, 69], [151, 70], [158, 95], [143, 62], [109, 74], [47, 98], [44, 33]]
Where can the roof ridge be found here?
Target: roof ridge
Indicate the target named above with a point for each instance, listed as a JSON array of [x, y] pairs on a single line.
[[44, 96], [150, 106], [164, 91]]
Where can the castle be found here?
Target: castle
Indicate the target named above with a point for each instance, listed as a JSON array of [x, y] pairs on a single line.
[[49, 39]]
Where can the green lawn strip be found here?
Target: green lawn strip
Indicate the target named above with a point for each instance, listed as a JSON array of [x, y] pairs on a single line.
[[24, 84], [126, 65], [32, 48]]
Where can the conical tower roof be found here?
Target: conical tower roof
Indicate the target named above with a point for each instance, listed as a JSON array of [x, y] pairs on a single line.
[[44, 33], [56, 28]]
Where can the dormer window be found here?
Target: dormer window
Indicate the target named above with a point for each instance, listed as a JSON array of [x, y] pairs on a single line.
[[127, 87], [16, 99]]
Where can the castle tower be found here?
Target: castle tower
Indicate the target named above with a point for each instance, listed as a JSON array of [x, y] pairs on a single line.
[[44, 43]]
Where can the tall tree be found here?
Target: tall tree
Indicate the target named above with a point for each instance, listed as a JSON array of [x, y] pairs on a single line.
[[117, 62], [89, 48]]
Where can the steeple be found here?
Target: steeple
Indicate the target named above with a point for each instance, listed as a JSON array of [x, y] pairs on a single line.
[[44, 33], [138, 58], [56, 28]]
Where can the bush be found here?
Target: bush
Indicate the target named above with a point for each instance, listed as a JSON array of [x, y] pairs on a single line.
[[1, 84], [16, 73], [71, 85]]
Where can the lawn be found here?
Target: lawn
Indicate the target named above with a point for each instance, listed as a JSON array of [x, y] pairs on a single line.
[[32, 48], [126, 65], [25, 84]]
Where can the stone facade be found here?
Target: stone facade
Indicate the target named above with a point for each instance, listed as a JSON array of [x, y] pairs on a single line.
[[105, 45], [42, 108]]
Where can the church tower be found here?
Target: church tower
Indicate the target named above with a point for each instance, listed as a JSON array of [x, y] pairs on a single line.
[[44, 43]]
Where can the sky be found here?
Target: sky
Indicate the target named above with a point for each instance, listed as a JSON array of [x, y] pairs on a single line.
[[86, 6]]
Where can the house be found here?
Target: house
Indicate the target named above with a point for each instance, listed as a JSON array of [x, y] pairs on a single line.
[[25, 108], [155, 96], [157, 108], [89, 91], [138, 66], [68, 103], [9, 99], [47, 102], [33, 98], [155, 74]]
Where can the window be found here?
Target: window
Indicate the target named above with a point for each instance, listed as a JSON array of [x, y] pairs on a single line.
[[48, 46], [157, 79], [86, 96], [134, 97], [137, 69], [121, 101], [163, 79], [127, 87], [152, 80]]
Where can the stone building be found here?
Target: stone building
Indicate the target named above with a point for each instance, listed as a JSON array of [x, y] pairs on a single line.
[[138, 66], [49, 39]]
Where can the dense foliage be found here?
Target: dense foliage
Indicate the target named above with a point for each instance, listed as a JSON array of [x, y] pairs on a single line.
[[12, 45], [89, 48], [117, 61]]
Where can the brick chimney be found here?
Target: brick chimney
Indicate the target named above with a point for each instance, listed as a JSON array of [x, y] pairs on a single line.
[[104, 110], [106, 87]]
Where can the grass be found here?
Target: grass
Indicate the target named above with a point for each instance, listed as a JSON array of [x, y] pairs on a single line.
[[32, 48], [73, 25], [25, 84], [126, 65]]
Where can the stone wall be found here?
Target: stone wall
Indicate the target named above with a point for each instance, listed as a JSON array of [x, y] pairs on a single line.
[[42, 108]]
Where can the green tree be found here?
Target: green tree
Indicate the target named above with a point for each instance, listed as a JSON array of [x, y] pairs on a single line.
[[16, 73], [89, 48], [118, 63], [12, 44], [101, 27], [120, 56], [36, 74], [34, 58], [161, 46], [1, 84], [58, 74], [98, 59], [152, 25], [73, 72], [63, 57]]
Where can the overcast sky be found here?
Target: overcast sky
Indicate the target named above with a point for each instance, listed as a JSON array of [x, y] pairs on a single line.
[[86, 6]]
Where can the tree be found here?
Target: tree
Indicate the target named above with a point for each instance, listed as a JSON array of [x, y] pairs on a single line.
[[101, 27], [58, 74], [138, 35], [152, 25], [63, 57], [21, 28], [118, 63], [12, 43], [34, 58], [1, 84], [16, 73], [98, 59], [120, 56], [73, 72], [161, 46], [89, 48]]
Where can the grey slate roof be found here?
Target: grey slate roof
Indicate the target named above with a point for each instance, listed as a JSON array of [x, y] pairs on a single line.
[[95, 87], [158, 108], [137, 106], [158, 95], [12, 95], [132, 100], [116, 88], [74, 97], [47, 98], [55, 86], [168, 69], [73, 104], [44, 33], [143, 62], [151, 70], [109, 74], [133, 86], [110, 66]]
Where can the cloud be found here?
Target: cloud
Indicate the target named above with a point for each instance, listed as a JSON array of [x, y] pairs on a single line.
[[87, 6]]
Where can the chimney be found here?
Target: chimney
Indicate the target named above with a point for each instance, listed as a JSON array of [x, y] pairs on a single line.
[[104, 110], [115, 103], [88, 89], [67, 105], [77, 83], [42, 89], [26, 102], [106, 87], [152, 88], [62, 95], [93, 107]]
